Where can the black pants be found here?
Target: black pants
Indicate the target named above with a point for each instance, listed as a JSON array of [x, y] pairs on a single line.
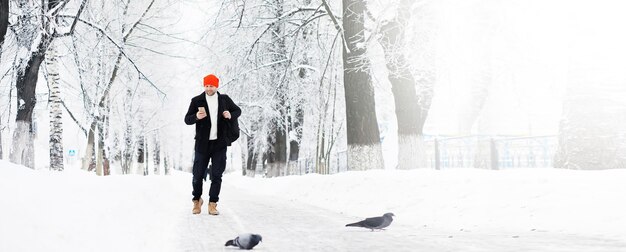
[[218, 164]]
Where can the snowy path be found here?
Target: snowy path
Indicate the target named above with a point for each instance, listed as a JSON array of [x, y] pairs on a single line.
[[292, 226], [285, 226]]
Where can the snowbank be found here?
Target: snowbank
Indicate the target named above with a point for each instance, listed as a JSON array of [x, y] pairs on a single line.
[[542, 200]]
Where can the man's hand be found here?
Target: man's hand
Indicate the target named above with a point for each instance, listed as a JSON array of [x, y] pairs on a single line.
[[200, 114], [226, 114]]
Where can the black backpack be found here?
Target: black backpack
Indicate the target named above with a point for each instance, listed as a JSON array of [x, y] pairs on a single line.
[[232, 130], [232, 125]]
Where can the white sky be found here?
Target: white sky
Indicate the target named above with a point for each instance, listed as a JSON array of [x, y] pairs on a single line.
[[534, 51]]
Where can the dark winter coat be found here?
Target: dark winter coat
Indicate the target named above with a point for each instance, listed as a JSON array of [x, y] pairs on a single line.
[[203, 126]]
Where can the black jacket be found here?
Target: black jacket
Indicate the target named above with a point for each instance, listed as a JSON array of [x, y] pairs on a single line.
[[203, 126]]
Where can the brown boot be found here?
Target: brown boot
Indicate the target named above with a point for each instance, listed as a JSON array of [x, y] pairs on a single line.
[[197, 204], [213, 208]]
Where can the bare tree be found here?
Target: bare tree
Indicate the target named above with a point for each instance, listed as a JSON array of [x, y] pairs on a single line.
[[276, 62], [305, 76], [166, 165], [22, 151], [141, 154], [403, 86], [364, 149], [56, 119], [480, 73], [327, 133], [156, 154], [37, 24], [277, 155], [592, 132], [128, 149], [97, 97], [4, 24]]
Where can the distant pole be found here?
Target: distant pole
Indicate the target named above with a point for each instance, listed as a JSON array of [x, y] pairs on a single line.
[[494, 155], [437, 164]]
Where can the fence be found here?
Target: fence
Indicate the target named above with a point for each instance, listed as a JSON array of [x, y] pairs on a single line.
[[491, 152], [487, 152], [338, 162]]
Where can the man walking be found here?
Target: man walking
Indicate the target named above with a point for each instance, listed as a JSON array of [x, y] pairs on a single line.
[[210, 111]]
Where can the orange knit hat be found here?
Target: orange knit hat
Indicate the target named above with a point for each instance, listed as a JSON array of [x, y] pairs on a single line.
[[211, 80]]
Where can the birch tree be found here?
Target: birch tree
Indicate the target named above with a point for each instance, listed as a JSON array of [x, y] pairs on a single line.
[[156, 154], [56, 119]]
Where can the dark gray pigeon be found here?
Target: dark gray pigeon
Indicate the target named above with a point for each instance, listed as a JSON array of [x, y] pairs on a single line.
[[374, 222], [245, 241]]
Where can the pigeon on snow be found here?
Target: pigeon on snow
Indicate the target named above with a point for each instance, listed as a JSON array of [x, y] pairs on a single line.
[[374, 222], [245, 241]]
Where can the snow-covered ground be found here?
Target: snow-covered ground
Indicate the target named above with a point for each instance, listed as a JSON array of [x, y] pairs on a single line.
[[450, 210]]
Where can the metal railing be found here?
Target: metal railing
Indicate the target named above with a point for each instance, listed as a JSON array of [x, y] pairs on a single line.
[[487, 152], [498, 152]]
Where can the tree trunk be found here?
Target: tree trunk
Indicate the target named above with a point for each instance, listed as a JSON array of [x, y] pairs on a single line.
[[364, 149], [297, 120], [89, 160], [1, 153], [4, 25], [127, 159], [23, 136], [146, 149], [116, 152], [277, 156], [166, 165], [591, 133], [100, 152], [103, 168], [405, 96], [411, 151], [294, 149], [592, 128], [252, 157], [140, 154], [105, 130], [326, 138], [295, 135], [56, 115], [320, 153], [157, 153], [22, 151], [244, 155], [480, 73]]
